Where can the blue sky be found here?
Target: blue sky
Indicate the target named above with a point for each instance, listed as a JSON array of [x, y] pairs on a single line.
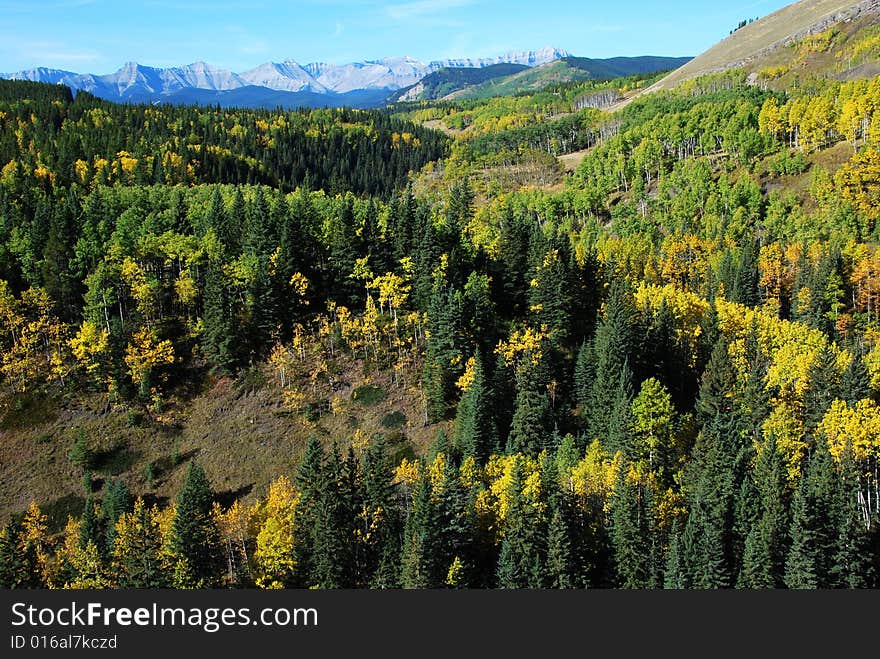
[[98, 36]]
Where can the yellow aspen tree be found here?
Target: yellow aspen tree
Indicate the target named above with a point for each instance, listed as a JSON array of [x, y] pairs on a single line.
[[35, 540], [144, 355], [234, 525], [137, 549], [274, 560], [859, 182], [91, 347]]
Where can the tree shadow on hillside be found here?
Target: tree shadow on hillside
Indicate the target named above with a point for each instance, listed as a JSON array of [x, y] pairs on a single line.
[[58, 510], [115, 461], [228, 497]]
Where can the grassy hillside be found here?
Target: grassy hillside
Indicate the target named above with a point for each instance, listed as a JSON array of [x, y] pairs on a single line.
[[570, 69], [446, 81], [238, 428], [754, 44]]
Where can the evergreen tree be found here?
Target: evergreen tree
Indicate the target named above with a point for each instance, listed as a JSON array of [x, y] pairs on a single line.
[[560, 559], [16, 571], [674, 573], [856, 383], [584, 375], [475, 432], [800, 566], [333, 531], [531, 425], [479, 314], [512, 264], [823, 387], [90, 529], [195, 539], [220, 333], [612, 346], [117, 500], [814, 524], [851, 563], [137, 553], [550, 296], [234, 225], [422, 563], [459, 529], [618, 435], [179, 211], [765, 550], [443, 353], [745, 289], [218, 220], [629, 536], [343, 255], [310, 482], [380, 562], [520, 563], [264, 308]]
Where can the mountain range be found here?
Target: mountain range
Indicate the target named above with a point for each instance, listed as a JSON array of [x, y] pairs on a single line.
[[290, 84], [136, 82]]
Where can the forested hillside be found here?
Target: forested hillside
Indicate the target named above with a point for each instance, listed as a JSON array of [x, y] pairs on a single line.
[[342, 349]]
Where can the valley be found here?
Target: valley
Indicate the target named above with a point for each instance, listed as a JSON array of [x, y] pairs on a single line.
[[533, 322]]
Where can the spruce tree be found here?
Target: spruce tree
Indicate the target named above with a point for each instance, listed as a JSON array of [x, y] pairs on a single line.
[[195, 539], [179, 212], [745, 289], [137, 561], [550, 296], [422, 564], [800, 566], [766, 543], [619, 433], [851, 563], [310, 482], [234, 225], [264, 319], [480, 315], [629, 537], [333, 531], [459, 529], [823, 387], [612, 346], [443, 351], [712, 571], [520, 562], [815, 523], [218, 220], [674, 577], [15, 571], [584, 375], [380, 563], [90, 528], [220, 334], [856, 383], [532, 419], [560, 559], [117, 500], [475, 432]]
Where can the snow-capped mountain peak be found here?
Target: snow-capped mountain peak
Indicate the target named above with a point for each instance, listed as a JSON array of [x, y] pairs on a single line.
[[137, 81], [202, 75], [284, 76]]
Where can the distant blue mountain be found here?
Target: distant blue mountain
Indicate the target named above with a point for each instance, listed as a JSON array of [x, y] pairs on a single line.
[[287, 84], [252, 96]]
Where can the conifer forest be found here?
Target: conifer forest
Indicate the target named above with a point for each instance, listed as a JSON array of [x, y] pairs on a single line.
[[523, 341]]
